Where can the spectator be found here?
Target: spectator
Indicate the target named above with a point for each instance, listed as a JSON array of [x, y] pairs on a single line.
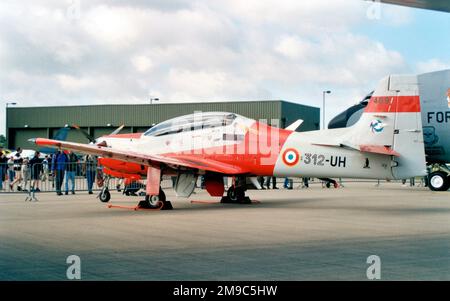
[[70, 171], [274, 183], [261, 182], [11, 172], [18, 160], [305, 182], [36, 170], [90, 167], [59, 168], [3, 168], [45, 168], [26, 174]]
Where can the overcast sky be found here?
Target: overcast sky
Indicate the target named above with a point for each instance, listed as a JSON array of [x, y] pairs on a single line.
[[57, 52]]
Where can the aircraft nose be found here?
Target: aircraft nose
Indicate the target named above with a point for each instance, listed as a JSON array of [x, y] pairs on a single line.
[[32, 140]]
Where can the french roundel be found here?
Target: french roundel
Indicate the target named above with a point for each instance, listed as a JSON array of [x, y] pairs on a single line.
[[291, 157]]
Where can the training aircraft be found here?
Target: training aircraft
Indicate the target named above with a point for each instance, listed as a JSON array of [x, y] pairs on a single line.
[[434, 92], [386, 143]]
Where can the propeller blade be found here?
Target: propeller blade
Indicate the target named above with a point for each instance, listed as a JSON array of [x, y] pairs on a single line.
[[117, 131], [85, 134]]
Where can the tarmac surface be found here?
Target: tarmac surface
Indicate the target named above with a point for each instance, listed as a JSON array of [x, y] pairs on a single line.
[[300, 234]]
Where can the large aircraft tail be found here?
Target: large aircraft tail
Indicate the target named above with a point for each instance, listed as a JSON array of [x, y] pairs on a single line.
[[391, 124]]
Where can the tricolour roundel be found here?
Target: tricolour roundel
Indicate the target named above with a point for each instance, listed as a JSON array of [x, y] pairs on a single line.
[[291, 157]]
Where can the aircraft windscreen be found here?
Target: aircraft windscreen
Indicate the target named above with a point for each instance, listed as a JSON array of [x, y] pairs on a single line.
[[196, 121]]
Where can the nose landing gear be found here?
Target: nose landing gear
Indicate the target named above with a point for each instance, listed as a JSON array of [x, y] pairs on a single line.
[[104, 194]]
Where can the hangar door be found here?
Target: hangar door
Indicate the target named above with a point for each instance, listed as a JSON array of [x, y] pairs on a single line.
[[19, 137]]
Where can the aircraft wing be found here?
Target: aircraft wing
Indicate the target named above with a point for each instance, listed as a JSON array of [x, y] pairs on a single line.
[[440, 5], [186, 161]]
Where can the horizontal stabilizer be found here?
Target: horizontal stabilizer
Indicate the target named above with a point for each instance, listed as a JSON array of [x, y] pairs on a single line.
[[375, 149], [379, 149]]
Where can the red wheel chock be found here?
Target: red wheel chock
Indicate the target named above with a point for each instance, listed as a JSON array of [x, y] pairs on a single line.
[[217, 202], [135, 208]]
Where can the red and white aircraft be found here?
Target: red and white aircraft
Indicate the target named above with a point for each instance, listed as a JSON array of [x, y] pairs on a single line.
[[386, 143]]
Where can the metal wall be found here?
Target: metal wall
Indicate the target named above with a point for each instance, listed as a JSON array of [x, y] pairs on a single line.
[[103, 119], [310, 115]]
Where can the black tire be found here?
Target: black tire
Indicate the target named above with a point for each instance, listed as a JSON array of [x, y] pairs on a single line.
[[231, 194], [236, 194], [151, 202], [105, 196], [438, 181]]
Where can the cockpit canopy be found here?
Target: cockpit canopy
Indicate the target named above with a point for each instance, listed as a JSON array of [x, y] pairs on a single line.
[[192, 122]]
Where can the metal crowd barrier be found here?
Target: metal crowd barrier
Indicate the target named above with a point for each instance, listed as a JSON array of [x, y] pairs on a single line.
[[20, 178]]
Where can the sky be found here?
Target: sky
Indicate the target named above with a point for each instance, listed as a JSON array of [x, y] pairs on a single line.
[[69, 52]]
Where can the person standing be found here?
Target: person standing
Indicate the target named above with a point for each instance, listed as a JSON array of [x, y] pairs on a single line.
[[11, 173], [18, 160], [70, 171], [286, 184], [26, 175], [36, 170], [274, 183], [3, 168], [45, 169], [90, 167], [59, 168]]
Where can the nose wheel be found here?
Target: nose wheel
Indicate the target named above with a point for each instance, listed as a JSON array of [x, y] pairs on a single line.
[[105, 195]]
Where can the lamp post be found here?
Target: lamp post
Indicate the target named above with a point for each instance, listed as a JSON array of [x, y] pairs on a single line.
[[153, 99], [6, 121], [323, 108]]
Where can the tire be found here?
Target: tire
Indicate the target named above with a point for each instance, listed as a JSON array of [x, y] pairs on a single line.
[[105, 196], [236, 195], [438, 181], [154, 201]]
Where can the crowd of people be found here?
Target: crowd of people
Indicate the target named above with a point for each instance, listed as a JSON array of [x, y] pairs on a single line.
[[20, 173]]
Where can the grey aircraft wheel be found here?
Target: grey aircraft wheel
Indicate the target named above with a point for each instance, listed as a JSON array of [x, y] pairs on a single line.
[[438, 181], [105, 196]]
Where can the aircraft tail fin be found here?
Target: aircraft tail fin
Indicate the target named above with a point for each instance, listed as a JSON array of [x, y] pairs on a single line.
[[61, 134], [392, 123]]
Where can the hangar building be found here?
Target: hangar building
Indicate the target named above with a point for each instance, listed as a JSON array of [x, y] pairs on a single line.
[[29, 122]]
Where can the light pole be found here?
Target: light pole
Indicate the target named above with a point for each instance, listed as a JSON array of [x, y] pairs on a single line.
[[153, 99], [6, 121], [323, 108]]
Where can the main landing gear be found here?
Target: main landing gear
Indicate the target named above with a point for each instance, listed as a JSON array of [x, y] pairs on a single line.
[[155, 197], [156, 202], [236, 193], [439, 177]]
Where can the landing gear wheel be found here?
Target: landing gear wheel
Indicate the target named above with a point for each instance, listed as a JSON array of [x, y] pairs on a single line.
[[156, 202], [104, 195], [438, 181], [236, 195]]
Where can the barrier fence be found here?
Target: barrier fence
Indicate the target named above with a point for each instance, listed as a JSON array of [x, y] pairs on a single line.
[[73, 177], [68, 177]]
